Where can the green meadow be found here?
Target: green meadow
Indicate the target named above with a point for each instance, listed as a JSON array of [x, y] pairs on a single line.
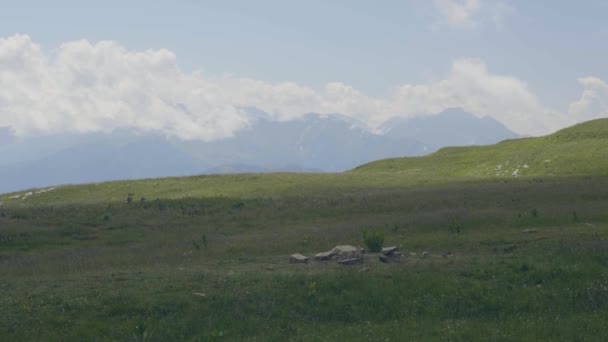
[[515, 235]]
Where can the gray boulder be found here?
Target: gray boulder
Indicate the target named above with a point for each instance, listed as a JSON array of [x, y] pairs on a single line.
[[324, 256], [347, 252]]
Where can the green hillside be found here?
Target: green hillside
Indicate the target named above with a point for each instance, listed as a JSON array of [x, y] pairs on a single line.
[[578, 150]]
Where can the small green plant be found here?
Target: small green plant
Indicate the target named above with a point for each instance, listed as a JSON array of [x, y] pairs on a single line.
[[374, 240]]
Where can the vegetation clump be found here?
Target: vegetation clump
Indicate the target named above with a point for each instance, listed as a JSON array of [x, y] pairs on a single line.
[[374, 240]]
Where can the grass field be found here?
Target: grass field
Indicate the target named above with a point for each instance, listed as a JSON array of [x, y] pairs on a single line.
[[206, 258]]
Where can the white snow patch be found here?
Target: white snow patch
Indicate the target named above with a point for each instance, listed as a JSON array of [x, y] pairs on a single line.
[[41, 191]]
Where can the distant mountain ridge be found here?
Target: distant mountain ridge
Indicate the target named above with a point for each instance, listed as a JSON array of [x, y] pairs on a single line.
[[452, 127], [311, 143]]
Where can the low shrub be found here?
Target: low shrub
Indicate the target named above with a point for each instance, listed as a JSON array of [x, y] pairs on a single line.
[[374, 240]]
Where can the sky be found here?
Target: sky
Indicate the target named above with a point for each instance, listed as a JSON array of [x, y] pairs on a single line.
[[188, 68]]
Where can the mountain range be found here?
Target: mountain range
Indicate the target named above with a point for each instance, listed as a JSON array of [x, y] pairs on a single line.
[[311, 143]]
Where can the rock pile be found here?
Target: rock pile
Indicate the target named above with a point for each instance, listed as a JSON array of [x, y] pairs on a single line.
[[349, 255], [345, 254]]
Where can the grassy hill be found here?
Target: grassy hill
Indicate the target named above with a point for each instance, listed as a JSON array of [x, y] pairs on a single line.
[[205, 258], [578, 150]]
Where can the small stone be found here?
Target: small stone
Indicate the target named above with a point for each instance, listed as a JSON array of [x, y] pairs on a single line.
[[528, 231], [383, 259], [389, 250], [425, 254], [413, 254], [269, 268], [352, 261], [298, 259], [200, 294]]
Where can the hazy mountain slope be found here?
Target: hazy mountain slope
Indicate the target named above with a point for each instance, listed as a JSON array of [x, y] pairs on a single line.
[[453, 127], [95, 162], [313, 142], [246, 168], [578, 150], [325, 142]]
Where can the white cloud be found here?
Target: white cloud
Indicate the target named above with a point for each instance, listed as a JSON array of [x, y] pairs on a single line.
[[470, 14], [85, 87], [471, 86], [458, 13], [593, 102]]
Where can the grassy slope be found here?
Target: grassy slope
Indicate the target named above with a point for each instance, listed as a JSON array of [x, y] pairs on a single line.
[[578, 150], [78, 263]]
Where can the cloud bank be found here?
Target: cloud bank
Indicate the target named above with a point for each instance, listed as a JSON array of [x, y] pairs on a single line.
[[593, 102], [85, 87]]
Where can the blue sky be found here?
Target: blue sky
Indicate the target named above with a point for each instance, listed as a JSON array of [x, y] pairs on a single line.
[[371, 47]]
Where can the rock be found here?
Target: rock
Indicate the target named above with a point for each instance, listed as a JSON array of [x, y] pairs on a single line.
[[343, 249], [352, 261], [346, 252], [383, 258], [364, 269], [298, 259], [324, 256], [389, 250], [413, 254], [269, 268], [528, 231], [425, 254]]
